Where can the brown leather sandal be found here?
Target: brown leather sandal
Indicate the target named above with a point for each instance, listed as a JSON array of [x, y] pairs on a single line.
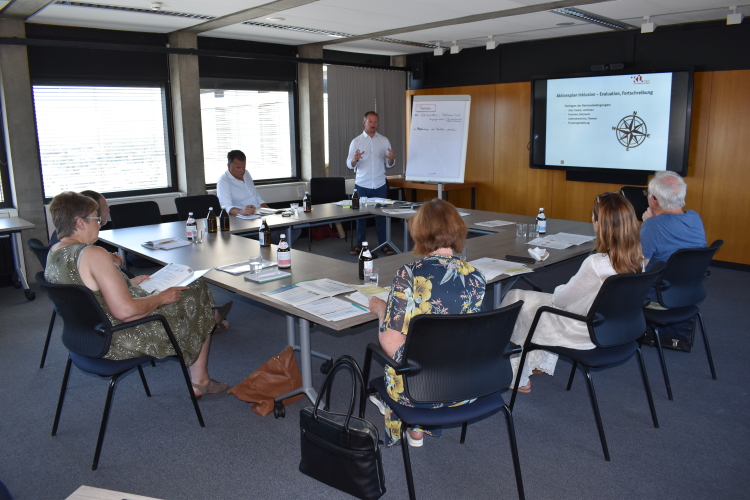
[[355, 251]]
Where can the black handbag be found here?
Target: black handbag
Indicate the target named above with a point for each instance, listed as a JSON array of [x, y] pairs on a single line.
[[342, 450]]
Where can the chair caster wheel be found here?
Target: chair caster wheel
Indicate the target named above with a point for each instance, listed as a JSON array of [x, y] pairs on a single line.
[[29, 294], [326, 367], [278, 410]]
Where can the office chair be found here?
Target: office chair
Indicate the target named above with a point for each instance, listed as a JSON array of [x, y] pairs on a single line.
[[140, 213], [679, 287], [87, 334], [198, 204], [327, 190], [453, 358], [615, 322], [635, 196], [41, 250]]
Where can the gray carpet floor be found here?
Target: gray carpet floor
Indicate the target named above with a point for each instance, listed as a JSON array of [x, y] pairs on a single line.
[[155, 447]]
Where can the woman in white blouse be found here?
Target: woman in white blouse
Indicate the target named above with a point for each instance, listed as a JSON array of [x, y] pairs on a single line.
[[618, 251]]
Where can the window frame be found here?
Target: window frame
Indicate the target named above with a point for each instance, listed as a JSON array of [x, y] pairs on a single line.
[[208, 83], [168, 129], [5, 170]]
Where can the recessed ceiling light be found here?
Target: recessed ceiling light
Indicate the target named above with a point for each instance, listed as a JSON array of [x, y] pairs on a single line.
[[565, 24], [276, 19]]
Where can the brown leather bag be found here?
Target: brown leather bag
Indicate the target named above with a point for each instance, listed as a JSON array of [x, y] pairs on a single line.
[[275, 377]]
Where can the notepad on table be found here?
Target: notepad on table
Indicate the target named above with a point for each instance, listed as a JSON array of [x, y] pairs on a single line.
[[165, 244], [266, 276]]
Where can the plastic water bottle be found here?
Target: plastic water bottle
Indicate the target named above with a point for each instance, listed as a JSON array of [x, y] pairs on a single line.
[[191, 228]]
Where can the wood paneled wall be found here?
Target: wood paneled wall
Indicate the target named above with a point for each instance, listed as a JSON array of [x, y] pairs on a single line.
[[718, 168]]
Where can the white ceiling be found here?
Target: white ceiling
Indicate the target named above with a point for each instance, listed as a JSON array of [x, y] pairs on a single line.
[[361, 17]]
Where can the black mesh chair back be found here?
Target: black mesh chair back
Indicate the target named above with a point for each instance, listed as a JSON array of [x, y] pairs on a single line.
[[616, 317], [198, 204], [40, 250], [682, 284], [458, 356], [86, 327], [141, 213], [636, 198], [327, 189]]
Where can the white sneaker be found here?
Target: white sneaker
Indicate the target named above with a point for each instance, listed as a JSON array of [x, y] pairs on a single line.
[[378, 402], [414, 443]]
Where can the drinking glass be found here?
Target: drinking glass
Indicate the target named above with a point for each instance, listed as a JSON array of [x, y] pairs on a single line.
[[371, 276], [199, 236], [462, 255], [256, 263], [294, 207], [520, 230], [531, 231]]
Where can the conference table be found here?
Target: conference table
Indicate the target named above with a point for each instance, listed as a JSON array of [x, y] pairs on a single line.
[[223, 248], [11, 227]]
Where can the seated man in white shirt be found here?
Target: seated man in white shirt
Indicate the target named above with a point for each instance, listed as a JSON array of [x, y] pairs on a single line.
[[235, 187], [237, 193]]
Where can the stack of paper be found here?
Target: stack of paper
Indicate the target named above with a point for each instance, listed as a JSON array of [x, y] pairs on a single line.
[[493, 223], [560, 240], [267, 275], [165, 244], [344, 203], [242, 267], [395, 211], [492, 268], [316, 298], [365, 292], [268, 211], [248, 217]]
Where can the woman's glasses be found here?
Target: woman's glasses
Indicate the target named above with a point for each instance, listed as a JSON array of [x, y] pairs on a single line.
[[97, 219]]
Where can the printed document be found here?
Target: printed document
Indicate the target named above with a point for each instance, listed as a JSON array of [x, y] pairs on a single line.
[[333, 309], [492, 268], [560, 241], [165, 244], [169, 276], [325, 287], [494, 223], [242, 267]]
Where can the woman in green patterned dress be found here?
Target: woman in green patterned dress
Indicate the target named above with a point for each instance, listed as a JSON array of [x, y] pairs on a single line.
[[440, 283], [189, 310]]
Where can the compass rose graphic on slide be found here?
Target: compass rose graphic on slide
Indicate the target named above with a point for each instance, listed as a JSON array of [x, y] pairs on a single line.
[[631, 131]]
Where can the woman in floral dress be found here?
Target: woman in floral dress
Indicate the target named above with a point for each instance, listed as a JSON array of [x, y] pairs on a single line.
[[437, 284], [189, 311]]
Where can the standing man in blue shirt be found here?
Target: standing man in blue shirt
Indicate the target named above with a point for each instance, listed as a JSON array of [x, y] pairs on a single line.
[[370, 154]]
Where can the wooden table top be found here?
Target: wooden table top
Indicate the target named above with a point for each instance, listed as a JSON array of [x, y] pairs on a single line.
[[12, 224]]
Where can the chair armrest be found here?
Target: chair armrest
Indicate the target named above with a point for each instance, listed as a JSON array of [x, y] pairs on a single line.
[[509, 351], [551, 310], [387, 360], [138, 322]]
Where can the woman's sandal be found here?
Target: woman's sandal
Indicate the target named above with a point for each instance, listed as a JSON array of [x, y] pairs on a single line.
[[355, 251], [388, 250], [213, 387], [526, 388], [222, 325]]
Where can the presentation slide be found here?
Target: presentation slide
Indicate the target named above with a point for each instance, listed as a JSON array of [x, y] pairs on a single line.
[[619, 122]]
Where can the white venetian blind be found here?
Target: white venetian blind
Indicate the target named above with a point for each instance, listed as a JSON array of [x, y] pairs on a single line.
[[104, 138], [255, 122]]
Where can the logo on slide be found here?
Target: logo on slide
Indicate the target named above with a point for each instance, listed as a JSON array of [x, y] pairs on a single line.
[[638, 80], [631, 131]]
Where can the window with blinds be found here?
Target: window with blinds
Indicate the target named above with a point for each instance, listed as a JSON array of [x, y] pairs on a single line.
[[106, 138], [256, 122]]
